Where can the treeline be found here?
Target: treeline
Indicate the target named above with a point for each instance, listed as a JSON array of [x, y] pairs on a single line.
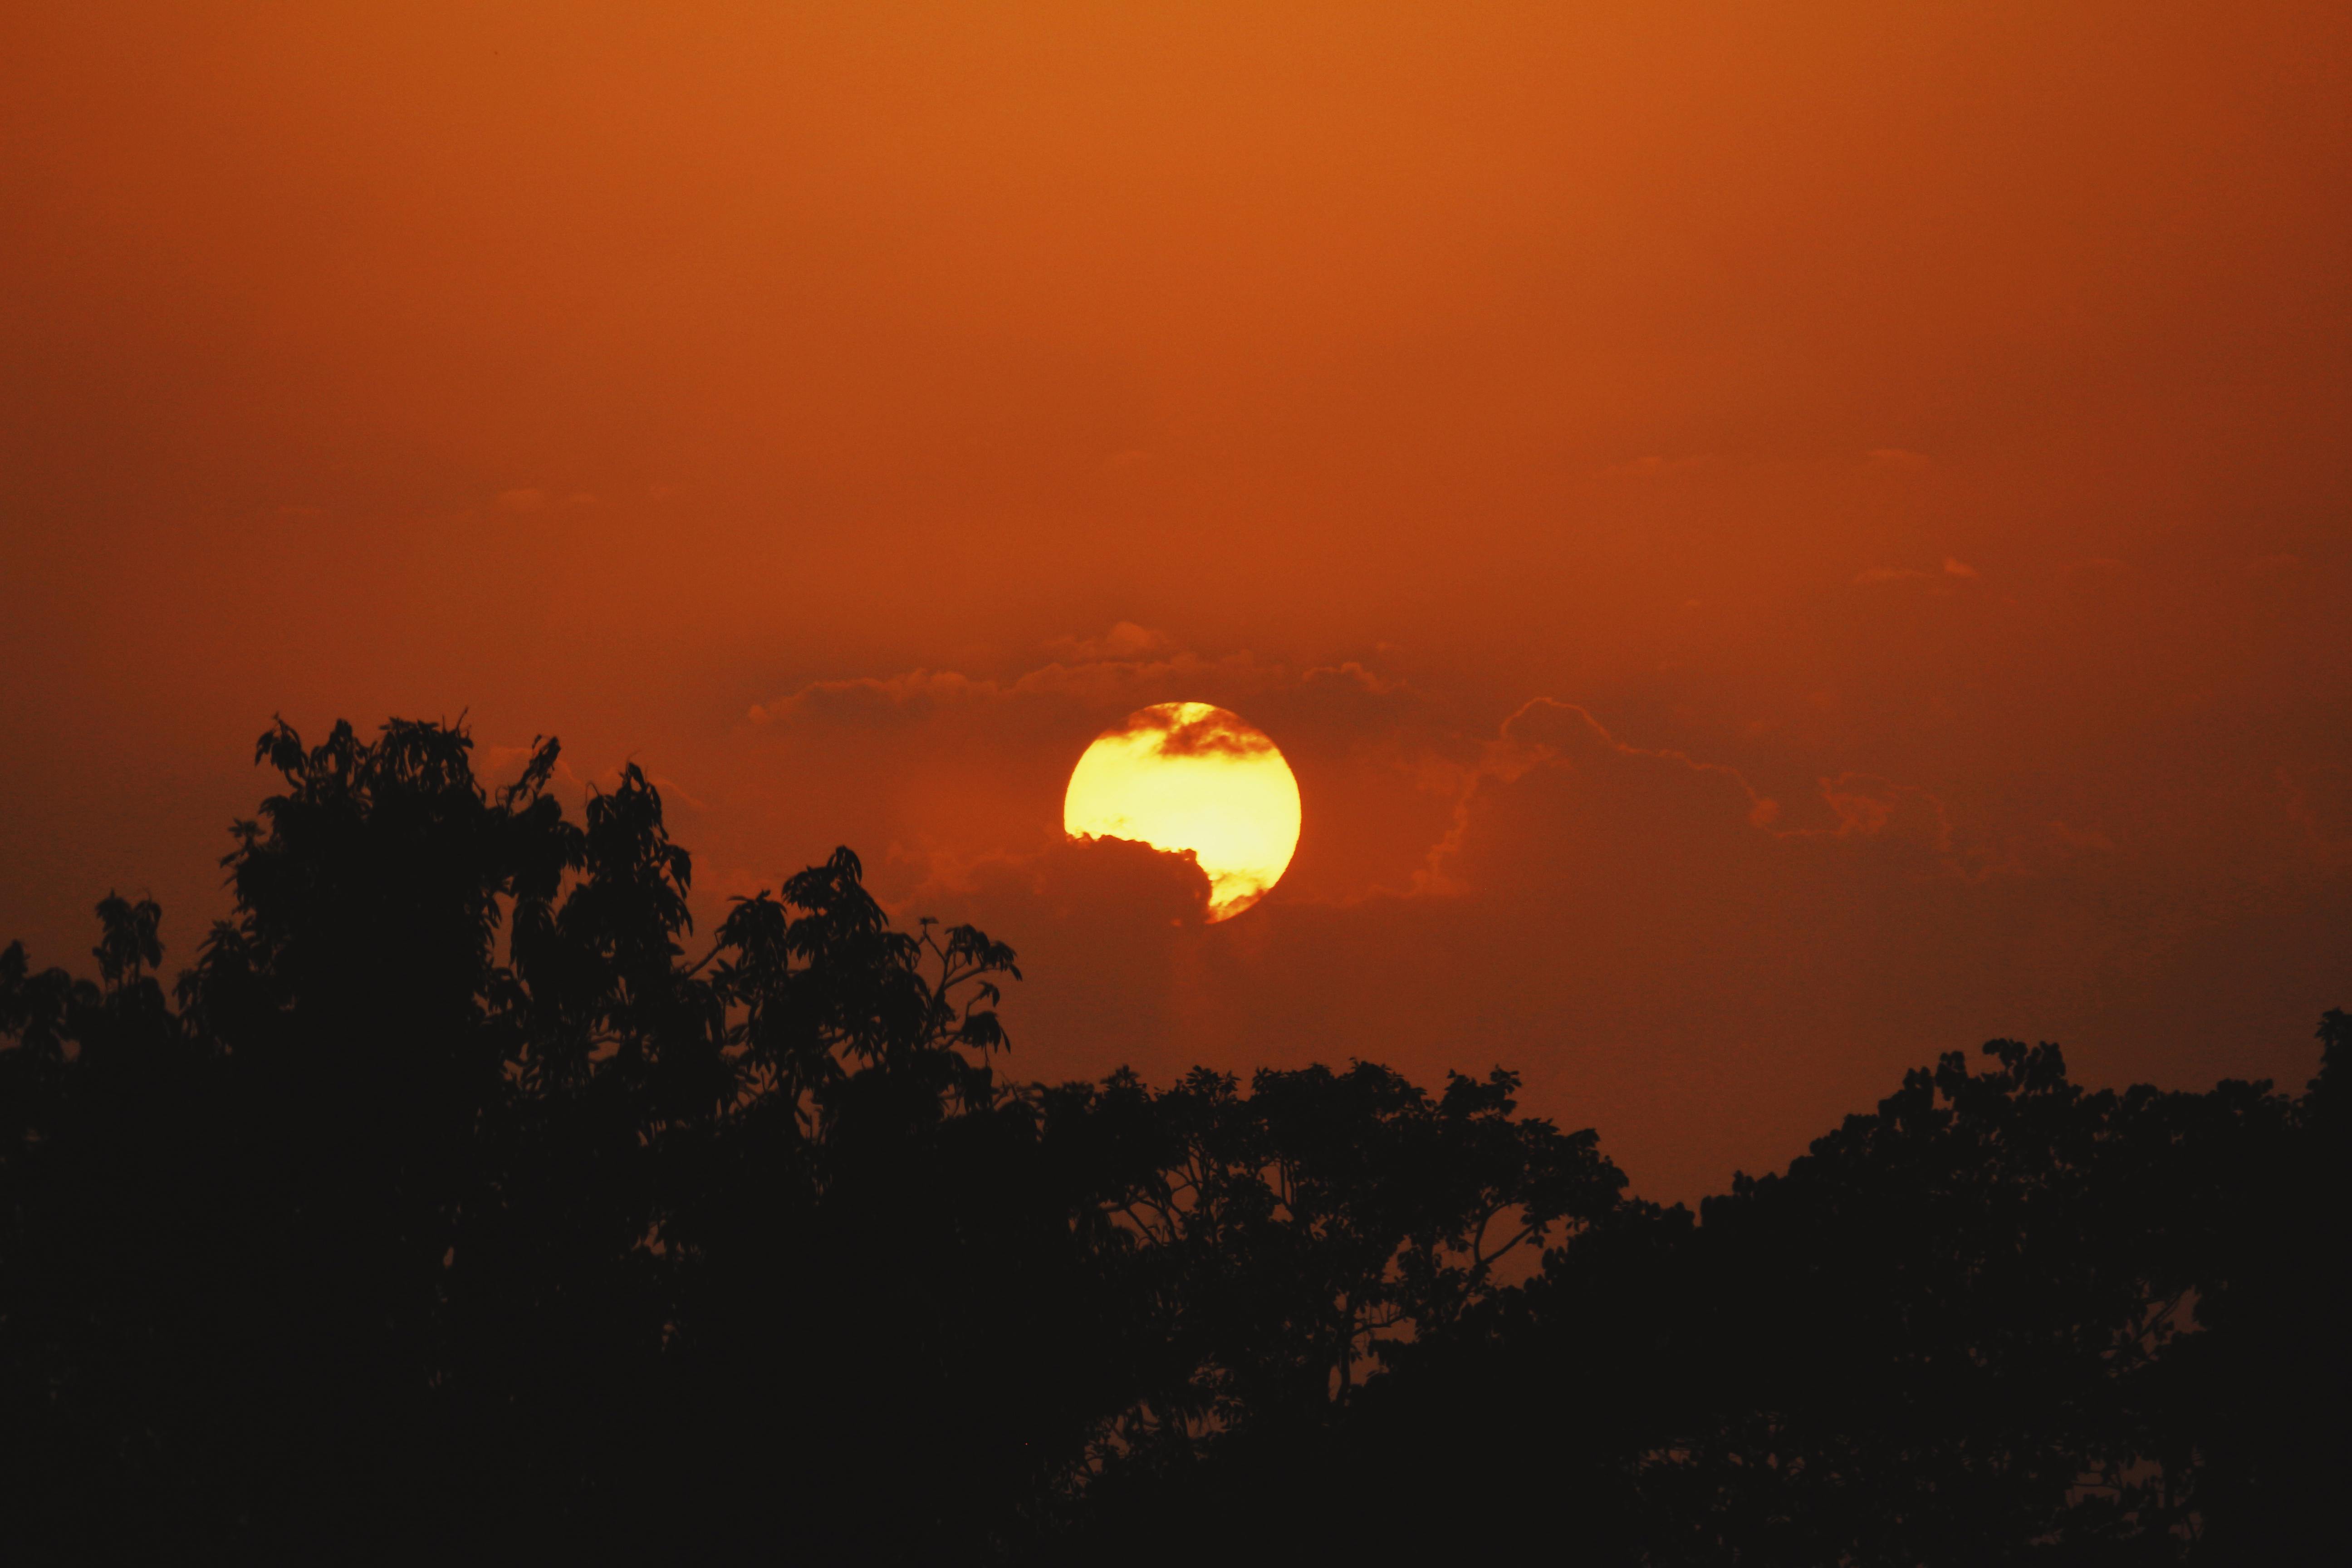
[[459, 1202]]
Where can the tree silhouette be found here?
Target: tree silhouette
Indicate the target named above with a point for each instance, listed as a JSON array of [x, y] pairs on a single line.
[[459, 1201], [1293, 1235], [443, 1197], [2004, 1318]]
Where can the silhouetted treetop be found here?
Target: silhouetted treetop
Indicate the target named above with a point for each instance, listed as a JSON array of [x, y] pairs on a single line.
[[459, 1200]]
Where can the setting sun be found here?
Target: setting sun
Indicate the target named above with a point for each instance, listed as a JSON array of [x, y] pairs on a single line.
[[1187, 776]]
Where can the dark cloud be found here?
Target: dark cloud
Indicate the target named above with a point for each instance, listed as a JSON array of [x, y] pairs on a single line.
[[1664, 949], [1212, 732]]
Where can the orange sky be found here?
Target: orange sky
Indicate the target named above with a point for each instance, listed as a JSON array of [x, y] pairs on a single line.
[[1565, 428]]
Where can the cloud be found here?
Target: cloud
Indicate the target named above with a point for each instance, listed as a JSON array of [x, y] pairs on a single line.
[[1869, 807], [1912, 827], [1548, 734], [1125, 640], [1070, 879], [1110, 936], [949, 767], [869, 699], [1189, 731], [1089, 685], [1706, 967]]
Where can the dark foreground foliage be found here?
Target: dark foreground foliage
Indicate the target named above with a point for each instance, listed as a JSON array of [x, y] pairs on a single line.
[[458, 1203]]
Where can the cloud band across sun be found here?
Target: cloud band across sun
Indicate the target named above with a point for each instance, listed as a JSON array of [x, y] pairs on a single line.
[[1188, 776]]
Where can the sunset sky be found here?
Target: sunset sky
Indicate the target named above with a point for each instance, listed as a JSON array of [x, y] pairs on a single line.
[[1777, 540]]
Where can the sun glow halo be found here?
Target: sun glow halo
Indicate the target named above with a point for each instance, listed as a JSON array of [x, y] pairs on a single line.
[[1187, 776]]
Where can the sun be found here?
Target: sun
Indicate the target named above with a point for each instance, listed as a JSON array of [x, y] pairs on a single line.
[[1186, 775]]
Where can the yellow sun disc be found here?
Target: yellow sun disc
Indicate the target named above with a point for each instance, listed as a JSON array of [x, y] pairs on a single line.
[[1185, 775]]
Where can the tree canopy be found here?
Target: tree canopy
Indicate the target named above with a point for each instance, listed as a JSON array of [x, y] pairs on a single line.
[[459, 1199]]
